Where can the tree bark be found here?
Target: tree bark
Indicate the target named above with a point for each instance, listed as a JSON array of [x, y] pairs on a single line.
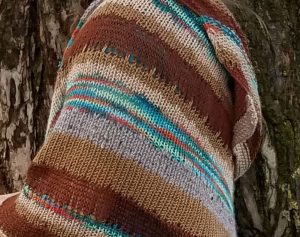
[[33, 36], [268, 196]]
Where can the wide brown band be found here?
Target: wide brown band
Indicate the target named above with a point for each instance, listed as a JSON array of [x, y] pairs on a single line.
[[103, 203]]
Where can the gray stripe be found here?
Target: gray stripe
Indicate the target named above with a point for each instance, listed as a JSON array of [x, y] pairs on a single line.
[[133, 146]]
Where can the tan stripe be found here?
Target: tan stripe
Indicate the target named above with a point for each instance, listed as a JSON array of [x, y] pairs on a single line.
[[56, 224], [191, 49], [160, 94], [105, 168]]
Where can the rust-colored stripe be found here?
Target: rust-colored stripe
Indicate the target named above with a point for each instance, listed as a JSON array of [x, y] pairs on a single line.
[[154, 53], [103, 203], [13, 224]]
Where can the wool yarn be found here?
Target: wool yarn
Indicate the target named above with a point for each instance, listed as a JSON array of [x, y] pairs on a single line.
[[154, 115]]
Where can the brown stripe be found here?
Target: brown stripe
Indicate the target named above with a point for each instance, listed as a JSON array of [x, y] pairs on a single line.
[[216, 10], [13, 224], [103, 203], [105, 168], [154, 53]]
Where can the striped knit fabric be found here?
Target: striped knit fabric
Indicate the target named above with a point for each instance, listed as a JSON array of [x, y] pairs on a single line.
[[155, 114]]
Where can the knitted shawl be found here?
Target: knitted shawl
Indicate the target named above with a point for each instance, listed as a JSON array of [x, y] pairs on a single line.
[[155, 114]]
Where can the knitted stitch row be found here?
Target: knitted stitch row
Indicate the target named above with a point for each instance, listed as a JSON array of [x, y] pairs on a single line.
[[155, 113]]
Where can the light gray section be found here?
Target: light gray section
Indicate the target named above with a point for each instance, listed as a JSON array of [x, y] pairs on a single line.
[[90, 9], [134, 146]]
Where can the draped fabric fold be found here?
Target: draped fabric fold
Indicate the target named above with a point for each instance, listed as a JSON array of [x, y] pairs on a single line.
[[155, 113]]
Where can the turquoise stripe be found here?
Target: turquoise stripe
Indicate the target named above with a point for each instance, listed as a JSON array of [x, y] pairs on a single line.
[[153, 114], [188, 18], [110, 230], [195, 23], [70, 42], [159, 143], [146, 110], [80, 24], [78, 27], [119, 111]]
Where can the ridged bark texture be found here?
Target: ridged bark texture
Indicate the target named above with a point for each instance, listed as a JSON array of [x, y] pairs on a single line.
[[268, 196]]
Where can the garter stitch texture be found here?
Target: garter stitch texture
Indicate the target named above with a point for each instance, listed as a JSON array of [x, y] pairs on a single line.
[[155, 113]]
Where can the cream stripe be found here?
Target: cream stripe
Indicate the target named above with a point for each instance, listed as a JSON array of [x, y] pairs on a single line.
[[190, 48], [233, 55]]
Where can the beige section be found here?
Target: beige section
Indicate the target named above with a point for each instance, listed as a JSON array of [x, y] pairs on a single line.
[[104, 168], [189, 47], [232, 57], [160, 94], [57, 224]]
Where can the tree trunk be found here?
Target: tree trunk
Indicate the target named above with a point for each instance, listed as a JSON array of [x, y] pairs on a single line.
[[33, 35], [268, 196]]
